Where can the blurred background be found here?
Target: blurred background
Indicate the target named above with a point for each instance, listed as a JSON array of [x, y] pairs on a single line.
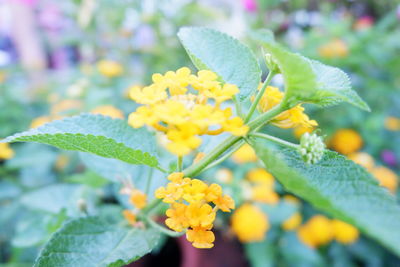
[[62, 58]]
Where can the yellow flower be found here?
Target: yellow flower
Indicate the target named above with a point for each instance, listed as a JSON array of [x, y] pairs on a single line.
[[316, 232], [302, 129], [244, 154], [249, 223], [392, 124], [363, 159], [213, 192], [334, 49], [292, 118], [138, 199], [224, 203], [148, 95], [199, 214], [346, 141], [66, 106], [201, 237], [183, 140], [176, 82], [386, 177], [224, 175], [260, 175], [195, 191], [143, 115], [110, 68], [292, 222], [108, 110], [235, 126], [264, 193], [129, 216], [6, 151], [221, 94], [177, 219], [344, 232]]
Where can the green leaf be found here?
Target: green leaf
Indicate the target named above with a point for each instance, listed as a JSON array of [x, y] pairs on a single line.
[[232, 61], [339, 187], [96, 134], [308, 80], [95, 242], [88, 178]]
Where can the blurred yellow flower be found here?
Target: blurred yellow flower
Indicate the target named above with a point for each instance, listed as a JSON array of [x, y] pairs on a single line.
[[293, 222], [260, 175], [300, 130], [110, 68], [386, 177], [316, 232], [249, 223], [129, 216], [346, 141], [363, 159], [61, 162], [39, 121], [334, 49], [265, 194], [66, 106], [392, 124], [108, 110], [138, 199], [6, 151], [344, 233], [244, 154]]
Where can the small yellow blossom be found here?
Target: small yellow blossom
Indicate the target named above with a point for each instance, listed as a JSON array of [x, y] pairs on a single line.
[[292, 222], [260, 175], [300, 130], [392, 123], [108, 110], [346, 141], [344, 232], [249, 223], [6, 151], [129, 216], [334, 49], [363, 159], [291, 118], [138, 199], [201, 237], [291, 199], [190, 207], [39, 121], [224, 175], [264, 193], [316, 232], [66, 106], [386, 177], [110, 68], [169, 107], [244, 154]]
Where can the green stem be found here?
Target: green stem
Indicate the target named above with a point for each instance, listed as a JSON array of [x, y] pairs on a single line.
[[259, 95], [154, 203], [149, 179], [161, 169], [226, 156], [162, 229], [237, 107], [275, 140], [266, 117], [180, 164]]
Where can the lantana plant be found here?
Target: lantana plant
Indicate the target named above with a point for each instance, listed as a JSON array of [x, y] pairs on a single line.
[[227, 103]]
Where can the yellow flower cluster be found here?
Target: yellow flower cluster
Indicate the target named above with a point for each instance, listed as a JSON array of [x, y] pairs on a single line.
[[249, 223], [182, 115], [346, 141], [291, 118], [6, 151], [138, 199], [190, 207], [319, 231]]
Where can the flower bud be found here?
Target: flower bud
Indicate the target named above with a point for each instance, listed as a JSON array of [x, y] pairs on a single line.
[[311, 148]]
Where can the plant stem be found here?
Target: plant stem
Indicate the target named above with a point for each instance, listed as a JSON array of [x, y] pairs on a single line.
[[275, 139], [180, 163], [226, 156], [259, 96], [161, 228], [237, 107], [161, 169], [149, 179]]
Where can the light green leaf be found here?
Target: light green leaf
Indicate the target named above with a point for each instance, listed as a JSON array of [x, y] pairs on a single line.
[[96, 134], [308, 80], [95, 242], [339, 187], [232, 61]]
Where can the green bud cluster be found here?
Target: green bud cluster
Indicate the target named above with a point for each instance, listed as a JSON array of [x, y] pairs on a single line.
[[311, 148]]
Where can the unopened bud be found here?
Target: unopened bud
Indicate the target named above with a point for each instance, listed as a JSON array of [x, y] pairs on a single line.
[[271, 63], [311, 148], [82, 205]]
